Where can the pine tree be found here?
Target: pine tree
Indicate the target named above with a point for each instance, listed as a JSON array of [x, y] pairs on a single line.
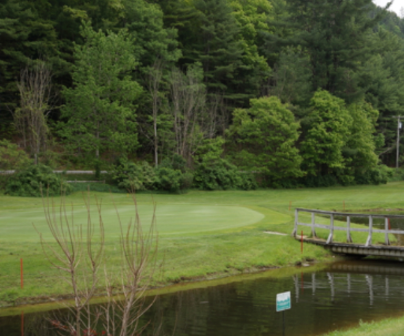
[[334, 34], [99, 109], [24, 37]]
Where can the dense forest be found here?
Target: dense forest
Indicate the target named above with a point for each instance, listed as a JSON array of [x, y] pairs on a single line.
[[212, 94]]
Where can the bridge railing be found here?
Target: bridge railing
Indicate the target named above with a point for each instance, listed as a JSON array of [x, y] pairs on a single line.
[[332, 227]]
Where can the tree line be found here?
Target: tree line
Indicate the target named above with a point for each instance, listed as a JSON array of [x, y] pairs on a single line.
[[214, 94]]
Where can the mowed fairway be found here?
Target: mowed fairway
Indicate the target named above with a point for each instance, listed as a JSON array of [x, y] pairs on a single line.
[[176, 219], [201, 234]]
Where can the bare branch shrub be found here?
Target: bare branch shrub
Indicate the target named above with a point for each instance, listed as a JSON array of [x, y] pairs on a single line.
[[154, 81], [73, 249], [79, 255], [188, 96], [35, 89]]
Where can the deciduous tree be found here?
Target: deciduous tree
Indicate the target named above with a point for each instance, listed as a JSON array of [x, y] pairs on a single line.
[[263, 139]]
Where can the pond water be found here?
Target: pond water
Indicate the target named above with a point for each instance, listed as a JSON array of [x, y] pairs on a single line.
[[336, 297]]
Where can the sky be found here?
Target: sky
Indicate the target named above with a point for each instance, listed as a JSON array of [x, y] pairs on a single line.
[[396, 6]]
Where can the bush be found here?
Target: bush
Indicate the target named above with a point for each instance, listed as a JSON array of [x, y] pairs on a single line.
[[248, 181], [222, 175], [177, 162], [215, 173], [313, 181], [131, 176], [168, 179], [33, 179], [378, 175], [169, 168], [11, 157], [186, 180]]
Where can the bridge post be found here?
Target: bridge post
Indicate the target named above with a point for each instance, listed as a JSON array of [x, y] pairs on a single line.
[[329, 240], [369, 240], [369, 280], [313, 230], [386, 233], [296, 221], [348, 230], [297, 289], [331, 281], [313, 283]]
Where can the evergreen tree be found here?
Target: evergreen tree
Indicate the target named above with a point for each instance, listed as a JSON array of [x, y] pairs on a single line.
[[25, 35], [211, 39], [334, 33], [99, 110]]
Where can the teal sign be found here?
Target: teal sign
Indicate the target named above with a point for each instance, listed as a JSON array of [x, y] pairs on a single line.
[[283, 301]]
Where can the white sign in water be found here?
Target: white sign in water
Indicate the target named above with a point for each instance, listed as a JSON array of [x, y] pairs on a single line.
[[283, 301]]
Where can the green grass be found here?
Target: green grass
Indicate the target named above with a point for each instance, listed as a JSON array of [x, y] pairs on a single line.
[[391, 326], [202, 235]]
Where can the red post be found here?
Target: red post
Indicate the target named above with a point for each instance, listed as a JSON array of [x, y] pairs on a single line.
[[22, 323], [389, 223], [301, 242], [22, 274]]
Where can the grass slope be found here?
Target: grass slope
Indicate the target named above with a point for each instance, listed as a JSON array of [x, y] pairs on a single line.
[[391, 326], [201, 234]]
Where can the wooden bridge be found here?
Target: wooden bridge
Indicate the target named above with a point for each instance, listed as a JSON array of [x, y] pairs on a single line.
[[350, 248], [379, 281]]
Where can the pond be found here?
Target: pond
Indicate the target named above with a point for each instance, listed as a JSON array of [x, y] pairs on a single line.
[[336, 297]]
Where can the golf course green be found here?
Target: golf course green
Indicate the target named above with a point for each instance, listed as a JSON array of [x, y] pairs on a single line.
[[173, 219], [202, 235]]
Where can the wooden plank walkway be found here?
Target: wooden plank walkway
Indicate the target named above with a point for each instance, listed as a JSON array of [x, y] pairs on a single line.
[[349, 247]]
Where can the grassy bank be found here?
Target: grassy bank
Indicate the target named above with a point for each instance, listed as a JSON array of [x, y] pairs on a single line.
[[391, 326], [202, 235]]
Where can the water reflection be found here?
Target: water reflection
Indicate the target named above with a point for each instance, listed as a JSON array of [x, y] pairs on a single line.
[[335, 298]]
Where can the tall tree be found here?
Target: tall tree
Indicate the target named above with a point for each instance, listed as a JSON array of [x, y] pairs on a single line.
[[212, 40], [35, 88], [188, 97], [99, 110], [263, 138], [326, 129], [253, 18], [335, 34], [359, 149], [25, 35]]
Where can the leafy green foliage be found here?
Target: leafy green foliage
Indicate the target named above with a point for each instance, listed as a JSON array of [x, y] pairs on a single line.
[[26, 33], [172, 174], [35, 180], [99, 109], [168, 179], [131, 176], [263, 139], [213, 39], [328, 125], [103, 55], [11, 157], [215, 173], [360, 145], [376, 175], [334, 34]]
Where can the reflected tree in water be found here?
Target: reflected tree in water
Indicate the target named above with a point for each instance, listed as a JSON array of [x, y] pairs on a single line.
[[79, 256]]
